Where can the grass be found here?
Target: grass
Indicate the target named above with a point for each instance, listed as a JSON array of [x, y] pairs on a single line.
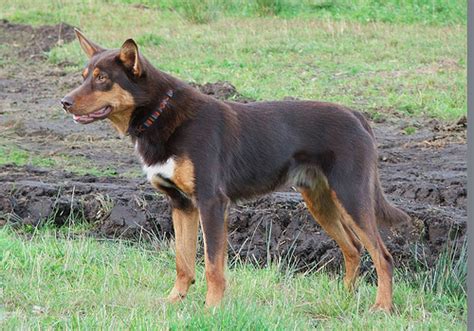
[[437, 12], [373, 65], [50, 280], [21, 157], [10, 154], [383, 57]]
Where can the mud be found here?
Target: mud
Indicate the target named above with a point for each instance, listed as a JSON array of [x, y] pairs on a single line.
[[29, 42], [222, 90], [424, 173]]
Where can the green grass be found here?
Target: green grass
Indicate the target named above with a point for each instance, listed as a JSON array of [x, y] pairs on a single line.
[[406, 57], [380, 66], [438, 12], [10, 154], [49, 280], [433, 12], [21, 157]]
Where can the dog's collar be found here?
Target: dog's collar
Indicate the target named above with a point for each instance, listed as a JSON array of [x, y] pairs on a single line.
[[156, 113]]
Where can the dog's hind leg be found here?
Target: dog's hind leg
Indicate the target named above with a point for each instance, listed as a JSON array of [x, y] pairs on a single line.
[[361, 219], [326, 212], [186, 225]]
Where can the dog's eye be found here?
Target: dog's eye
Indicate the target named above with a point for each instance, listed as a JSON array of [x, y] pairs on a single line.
[[101, 77]]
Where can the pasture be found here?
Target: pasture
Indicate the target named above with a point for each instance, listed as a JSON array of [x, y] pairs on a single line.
[[86, 243]]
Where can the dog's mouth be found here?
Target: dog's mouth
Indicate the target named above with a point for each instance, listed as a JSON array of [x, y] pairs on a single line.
[[91, 117]]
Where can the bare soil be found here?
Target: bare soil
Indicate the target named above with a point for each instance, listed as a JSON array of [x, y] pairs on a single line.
[[424, 172]]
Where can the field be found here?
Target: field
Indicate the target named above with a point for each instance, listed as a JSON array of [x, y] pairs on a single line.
[[86, 243]]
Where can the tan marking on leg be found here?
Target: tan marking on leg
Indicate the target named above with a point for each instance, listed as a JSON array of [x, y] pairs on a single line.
[[186, 224], [327, 214], [383, 261], [183, 176], [352, 262]]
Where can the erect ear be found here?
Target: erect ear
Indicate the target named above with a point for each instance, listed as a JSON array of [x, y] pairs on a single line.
[[87, 46], [130, 57]]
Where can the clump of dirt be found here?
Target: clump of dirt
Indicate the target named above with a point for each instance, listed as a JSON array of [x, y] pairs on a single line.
[[28, 41], [221, 90]]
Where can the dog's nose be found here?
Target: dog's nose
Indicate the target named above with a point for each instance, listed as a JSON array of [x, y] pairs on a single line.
[[67, 103]]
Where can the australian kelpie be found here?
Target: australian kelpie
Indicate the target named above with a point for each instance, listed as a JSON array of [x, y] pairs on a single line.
[[204, 153]]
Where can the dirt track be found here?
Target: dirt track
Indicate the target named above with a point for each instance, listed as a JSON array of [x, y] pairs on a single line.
[[424, 173]]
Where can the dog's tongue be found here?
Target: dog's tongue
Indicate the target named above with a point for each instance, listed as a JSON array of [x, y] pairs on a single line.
[[85, 119], [100, 113]]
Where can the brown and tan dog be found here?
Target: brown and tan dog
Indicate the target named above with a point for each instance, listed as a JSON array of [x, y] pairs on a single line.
[[204, 153]]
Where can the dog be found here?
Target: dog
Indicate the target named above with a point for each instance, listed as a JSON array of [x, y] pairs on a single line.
[[204, 153]]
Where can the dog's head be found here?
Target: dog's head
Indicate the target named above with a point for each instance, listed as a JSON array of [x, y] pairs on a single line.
[[111, 78]]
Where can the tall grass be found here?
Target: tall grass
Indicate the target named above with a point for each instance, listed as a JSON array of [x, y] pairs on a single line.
[[450, 272], [199, 12], [448, 275], [269, 7], [439, 12]]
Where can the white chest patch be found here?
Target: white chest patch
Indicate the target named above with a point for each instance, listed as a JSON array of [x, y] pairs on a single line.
[[165, 169]]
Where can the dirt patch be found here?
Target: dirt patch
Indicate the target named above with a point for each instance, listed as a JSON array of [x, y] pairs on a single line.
[[32, 42], [221, 90], [423, 172]]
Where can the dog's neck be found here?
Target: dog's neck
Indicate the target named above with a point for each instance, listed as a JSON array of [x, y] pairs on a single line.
[[163, 105], [164, 114], [121, 121], [176, 102], [151, 100]]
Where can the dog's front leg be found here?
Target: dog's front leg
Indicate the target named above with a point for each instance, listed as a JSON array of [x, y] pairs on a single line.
[[186, 224], [213, 213]]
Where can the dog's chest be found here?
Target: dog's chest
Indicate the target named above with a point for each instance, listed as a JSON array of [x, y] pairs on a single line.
[[165, 170], [175, 172]]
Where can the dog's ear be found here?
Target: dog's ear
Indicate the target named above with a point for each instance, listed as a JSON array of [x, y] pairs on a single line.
[[87, 46], [130, 57]]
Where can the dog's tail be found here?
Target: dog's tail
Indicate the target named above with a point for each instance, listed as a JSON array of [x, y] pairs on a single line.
[[385, 212]]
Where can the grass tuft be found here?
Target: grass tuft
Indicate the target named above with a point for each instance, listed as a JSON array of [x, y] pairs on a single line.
[[447, 276], [268, 7], [198, 12], [150, 39]]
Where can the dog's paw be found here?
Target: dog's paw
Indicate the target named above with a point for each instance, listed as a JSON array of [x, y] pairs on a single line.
[[386, 308], [175, 296]]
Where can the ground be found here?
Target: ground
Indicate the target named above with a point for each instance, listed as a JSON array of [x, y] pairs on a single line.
[[53, 171]]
